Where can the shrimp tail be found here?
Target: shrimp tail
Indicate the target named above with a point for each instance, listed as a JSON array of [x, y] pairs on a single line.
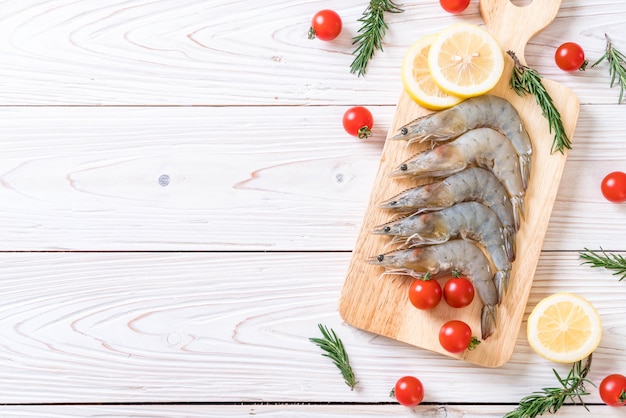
[[525, 169], [501, 280], [518, 210], [488, 321], [509, 242]]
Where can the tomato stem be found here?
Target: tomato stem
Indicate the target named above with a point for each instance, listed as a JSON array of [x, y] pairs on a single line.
[[474, 342], [364, 132], [311, 33]]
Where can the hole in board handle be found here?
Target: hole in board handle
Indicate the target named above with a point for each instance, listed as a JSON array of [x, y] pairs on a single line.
[[521, 3]]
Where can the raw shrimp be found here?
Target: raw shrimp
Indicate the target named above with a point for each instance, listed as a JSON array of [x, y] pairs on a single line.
[[471, 184], [470, 220], [483, 147], [481, 111], [442, 259]]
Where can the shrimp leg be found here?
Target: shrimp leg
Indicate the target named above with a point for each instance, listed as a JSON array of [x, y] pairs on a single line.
[[483, 147], [468, 220], [478, 112], [472, 184], [440, 259]]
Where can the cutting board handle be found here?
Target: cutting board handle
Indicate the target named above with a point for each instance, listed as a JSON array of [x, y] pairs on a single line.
[[514, 25]]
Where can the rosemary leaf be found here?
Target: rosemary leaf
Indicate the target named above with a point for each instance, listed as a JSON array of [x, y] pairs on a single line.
[[617, 66], [335, 350], [371, 34], [551, 399], [609, 261], [525, 80]]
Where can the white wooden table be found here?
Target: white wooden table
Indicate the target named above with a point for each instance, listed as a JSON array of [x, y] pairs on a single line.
[[179, 203]]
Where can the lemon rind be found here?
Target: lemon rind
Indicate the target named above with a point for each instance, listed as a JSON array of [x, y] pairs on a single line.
[[571, 357]]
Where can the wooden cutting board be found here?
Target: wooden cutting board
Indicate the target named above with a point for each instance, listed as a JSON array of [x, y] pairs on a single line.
[[380, 304]]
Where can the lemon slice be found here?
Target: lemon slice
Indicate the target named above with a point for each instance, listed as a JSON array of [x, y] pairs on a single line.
[[417, 80], [465, 60], [564, 328]]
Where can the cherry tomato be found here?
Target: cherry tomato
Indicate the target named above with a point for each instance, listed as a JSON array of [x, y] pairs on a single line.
[[458, 292], [425, 294], [570, 57], [409, 391], [454, 6], [455, 336], [614, 187], [613, 390], [358, 121], [325, 25]]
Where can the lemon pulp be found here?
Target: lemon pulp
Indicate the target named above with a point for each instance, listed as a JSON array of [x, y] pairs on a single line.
[[418, 82], [564, 328], [465, 60]]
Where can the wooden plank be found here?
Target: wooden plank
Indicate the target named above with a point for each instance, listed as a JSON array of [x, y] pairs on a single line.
[[228, 327], [215, 52], [311, 411], [75, 178], [88, 179]]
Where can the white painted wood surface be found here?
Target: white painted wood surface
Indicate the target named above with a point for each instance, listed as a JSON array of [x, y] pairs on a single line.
[[289, 410], [179, 203]]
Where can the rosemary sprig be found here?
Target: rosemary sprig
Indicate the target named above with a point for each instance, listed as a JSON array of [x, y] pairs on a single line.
[[609, 261], [551, 399], [371, 33], [335, 350], [617, 66], [525, 80]]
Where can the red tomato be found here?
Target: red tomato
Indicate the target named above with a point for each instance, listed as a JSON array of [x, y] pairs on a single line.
[[458, 292], [455, 336], [425, 294], [570, 57], [325, 25], [358, 121], [614, 187], [613, 390], [409, 391], [454, 6]]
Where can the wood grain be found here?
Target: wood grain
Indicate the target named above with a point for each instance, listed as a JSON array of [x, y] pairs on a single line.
[[227, 327], [380, 305], [289, 410], [201, 52], [88, 179]]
